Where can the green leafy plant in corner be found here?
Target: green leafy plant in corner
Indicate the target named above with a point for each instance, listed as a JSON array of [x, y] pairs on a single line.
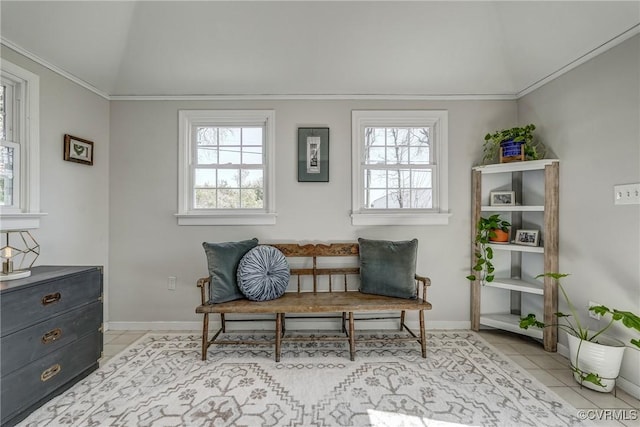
[[485, 230], [524, 134], [574, 327]]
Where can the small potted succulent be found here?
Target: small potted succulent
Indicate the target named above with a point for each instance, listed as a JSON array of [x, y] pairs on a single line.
[[595, 359], [488, 230], [524, 135]]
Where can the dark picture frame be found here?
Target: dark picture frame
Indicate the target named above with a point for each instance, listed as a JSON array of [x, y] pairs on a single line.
[[78, 150], [527, 237], [313, 154]]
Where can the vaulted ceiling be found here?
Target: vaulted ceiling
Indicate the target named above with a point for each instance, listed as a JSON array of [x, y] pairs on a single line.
[[151, 48]]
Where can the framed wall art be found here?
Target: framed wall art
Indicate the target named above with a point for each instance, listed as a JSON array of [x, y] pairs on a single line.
[[78, 150], [313, 154], [503, 198]]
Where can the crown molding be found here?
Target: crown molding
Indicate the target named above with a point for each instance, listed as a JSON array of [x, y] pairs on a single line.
[[319, 97], [53, 68]]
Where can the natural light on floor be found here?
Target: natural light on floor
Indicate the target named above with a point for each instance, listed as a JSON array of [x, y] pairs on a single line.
[[387, 419]]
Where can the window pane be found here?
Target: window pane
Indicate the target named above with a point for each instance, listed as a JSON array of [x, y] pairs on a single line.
[[3, 112], [421, 179], [251, 178], [207, 155], [419, 136], [399, 179], [252, 136], [397, 136], [375, 199], [375, 178], [228, 198], [205, 198], [252, 198], [422, 199], [251, 155], [228, 178], [375, 155], [230, 155], [6, 175], [399, 199], [374, 136], [229, 136], [206, 135], [205, 178], [419, 155]]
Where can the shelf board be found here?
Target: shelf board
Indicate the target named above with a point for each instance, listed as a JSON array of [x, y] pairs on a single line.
[[516, 208], [517, 248], [529, 165], [509, 322], [517, 285]]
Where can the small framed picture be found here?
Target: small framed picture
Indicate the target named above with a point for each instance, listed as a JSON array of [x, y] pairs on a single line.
[[503, 198], [527, 237], [78, 150], [313, 154]]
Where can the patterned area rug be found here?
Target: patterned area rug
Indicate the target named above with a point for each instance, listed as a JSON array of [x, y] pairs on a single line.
[[161, 381]]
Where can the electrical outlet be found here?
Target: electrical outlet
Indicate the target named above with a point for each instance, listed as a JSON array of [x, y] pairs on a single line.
[[171, 283], [627, 194], [591, 313]]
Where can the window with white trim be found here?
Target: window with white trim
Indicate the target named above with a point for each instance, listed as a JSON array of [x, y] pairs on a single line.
[[226, 167], [19, 147], [399, 167]]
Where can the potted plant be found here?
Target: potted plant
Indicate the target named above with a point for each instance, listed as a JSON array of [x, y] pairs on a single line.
[[524, 135], [487, 231], [594, 358]]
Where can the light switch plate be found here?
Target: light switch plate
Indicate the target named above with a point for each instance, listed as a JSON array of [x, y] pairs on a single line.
[[627, 194]]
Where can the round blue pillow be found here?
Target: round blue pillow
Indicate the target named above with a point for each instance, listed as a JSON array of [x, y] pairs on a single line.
[[263, 274]]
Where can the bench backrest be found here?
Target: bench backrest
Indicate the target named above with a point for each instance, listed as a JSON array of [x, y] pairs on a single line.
[[315, 251]]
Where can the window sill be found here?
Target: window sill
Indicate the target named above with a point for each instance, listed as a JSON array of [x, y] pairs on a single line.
[[400, 218], [227, 219], [20, 220]]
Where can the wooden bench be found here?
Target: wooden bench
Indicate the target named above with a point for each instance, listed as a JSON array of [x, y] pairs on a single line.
[[327, 291]]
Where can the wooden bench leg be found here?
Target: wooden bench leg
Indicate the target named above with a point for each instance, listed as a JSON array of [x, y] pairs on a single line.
[[423, 335], [352, 337], [402, 316], [279, 317], [344, 322], [223, 323], [205, 336]]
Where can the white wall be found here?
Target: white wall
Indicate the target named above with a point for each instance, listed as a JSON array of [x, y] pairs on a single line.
[[147, 246], [590, 118], [75, 197]]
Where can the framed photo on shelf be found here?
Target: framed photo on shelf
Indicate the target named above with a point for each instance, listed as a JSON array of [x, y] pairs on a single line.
[[527, 237], [503, 198], [313, 154]]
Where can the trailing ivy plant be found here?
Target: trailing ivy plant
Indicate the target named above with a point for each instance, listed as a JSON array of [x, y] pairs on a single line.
[[571, 324], [485, 230]]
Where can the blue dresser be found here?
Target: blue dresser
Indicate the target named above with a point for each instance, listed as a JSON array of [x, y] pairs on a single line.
[[50, 335]]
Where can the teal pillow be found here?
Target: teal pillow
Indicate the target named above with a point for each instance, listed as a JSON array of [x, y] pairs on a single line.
[[388, 268], [223, 260]]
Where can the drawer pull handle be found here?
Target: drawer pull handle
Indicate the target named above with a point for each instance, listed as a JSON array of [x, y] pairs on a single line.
[[47, 374], [51, 298], [51, 336]]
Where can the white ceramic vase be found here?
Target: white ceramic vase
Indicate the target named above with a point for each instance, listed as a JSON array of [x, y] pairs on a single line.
[[603, 358]]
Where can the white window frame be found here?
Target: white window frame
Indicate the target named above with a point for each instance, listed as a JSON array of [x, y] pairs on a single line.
[[25, 214], [437, 120], [187, 119]]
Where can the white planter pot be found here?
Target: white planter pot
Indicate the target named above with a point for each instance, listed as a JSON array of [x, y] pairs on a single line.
[[603, 358]]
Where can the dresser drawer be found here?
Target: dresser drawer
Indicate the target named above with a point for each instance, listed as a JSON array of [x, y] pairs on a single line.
[[27, 345], [36, 303], [27, 385]]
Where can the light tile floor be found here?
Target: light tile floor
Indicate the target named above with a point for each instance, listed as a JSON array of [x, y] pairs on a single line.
[[551, 369]]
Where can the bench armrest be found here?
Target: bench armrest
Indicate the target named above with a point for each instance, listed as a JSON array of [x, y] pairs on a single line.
[[424, 281], [203, 284]]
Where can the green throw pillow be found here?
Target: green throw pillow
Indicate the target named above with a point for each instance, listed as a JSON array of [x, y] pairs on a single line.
[[388, 268], [223, 260]]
